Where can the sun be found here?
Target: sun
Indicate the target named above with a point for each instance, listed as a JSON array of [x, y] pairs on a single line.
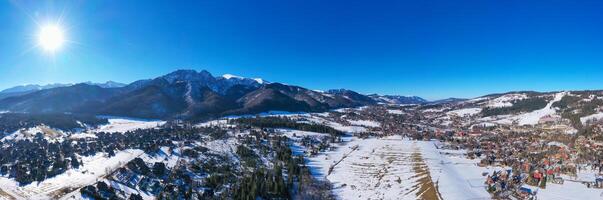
[[51, 37]]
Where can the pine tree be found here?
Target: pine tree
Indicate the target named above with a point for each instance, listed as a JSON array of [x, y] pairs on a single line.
[[74, 163]]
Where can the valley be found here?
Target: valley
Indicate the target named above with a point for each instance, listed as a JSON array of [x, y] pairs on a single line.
[[327, 145]]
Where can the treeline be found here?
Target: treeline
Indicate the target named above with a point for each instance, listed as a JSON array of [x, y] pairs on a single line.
[[524, 105], [567, 101], [285, 122], [11, 122]]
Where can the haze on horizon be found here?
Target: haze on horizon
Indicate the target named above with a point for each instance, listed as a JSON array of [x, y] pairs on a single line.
[[434, 49]]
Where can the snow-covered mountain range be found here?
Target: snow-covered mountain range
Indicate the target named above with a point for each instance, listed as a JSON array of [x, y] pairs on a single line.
[[25, 89], [182, 94]]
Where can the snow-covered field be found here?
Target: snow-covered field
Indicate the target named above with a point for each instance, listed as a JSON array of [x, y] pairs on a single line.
[[335, 125], [568, 191], [397, 168], [29, 133], [366, 123], [122, 125], [456, 176], [505, 100], [465, 111]]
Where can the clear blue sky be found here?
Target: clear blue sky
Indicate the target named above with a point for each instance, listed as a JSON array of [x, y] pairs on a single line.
[[433, 49]]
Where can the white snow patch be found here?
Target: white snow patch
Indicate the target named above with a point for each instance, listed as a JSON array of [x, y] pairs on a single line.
[[229, 76], [569, 190], [219, 122], [396, 112], [297, 134], [123, 125], [366, 123], [465, 111], [29, 133], [259, 80], [433, 110], [82, 135], [335, 125], [593, 117], [505, 100], [484, 124]]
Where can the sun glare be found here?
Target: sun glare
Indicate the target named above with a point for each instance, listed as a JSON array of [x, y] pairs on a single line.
[[51, 37]]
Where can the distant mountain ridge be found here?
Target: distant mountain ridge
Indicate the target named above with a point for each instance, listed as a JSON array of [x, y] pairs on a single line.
[[32, 87], [448, 100], [108, 84], [25, 89], [397, 99], [182, 94]]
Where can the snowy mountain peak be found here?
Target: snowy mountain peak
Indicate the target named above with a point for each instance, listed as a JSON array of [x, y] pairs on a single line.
[[259, 80], [235, 77], [397, 99], [188, 76], [203, 78], [229, 76]]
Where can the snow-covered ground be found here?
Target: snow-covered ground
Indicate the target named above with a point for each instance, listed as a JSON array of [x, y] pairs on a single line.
[[366, 123], [122, 125], [335, 125], [92, 169], [572, 188], [530, 118], [29, 133], [505, 100], [226, 148], [456, 176], [396, 112], [593, 117], [533, 117], [433, 110], [396, 168], [218, 122], [82, 135], [297, 134], [465, 111]]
